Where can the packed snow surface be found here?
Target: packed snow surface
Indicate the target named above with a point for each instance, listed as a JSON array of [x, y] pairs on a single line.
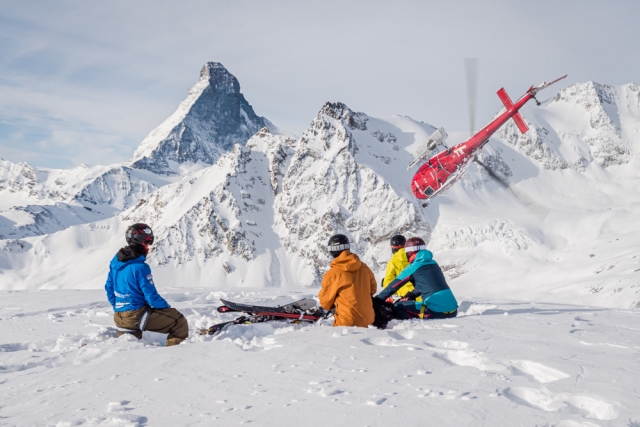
[[500, 363]]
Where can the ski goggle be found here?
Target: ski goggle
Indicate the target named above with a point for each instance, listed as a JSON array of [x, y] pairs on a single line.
[[416, 248], [336, 248]]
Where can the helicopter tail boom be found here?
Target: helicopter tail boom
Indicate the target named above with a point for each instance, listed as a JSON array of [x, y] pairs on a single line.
[[517, 118]]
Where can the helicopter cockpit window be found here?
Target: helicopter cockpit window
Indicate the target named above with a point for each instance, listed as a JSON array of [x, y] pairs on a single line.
[[429, 191]]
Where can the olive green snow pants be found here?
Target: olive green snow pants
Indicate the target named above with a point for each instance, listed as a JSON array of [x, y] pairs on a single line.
[[163, 320]]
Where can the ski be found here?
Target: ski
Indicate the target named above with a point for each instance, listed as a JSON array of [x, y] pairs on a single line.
[[293, 307], [304, 310], [218, 327]]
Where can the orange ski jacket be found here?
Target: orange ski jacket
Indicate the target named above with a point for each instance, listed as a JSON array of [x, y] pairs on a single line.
[[349, 285]]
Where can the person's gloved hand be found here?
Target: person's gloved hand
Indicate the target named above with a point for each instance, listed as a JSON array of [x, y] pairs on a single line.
[[410, 296]]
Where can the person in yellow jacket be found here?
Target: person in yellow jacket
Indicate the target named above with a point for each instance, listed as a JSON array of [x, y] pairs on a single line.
[[396, 264], [348, 285]]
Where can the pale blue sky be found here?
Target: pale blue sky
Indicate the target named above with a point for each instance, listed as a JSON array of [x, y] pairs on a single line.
[[84, 82]]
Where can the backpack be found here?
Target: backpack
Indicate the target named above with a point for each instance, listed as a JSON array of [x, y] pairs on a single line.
[[383, 311]]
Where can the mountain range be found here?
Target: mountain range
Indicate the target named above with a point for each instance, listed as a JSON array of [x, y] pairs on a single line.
[[236, 202]]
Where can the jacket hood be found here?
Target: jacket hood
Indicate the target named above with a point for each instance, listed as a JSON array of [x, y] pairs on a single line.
[[128, 253], [347, 261], [424, 257], [126, 256], [399, 254]]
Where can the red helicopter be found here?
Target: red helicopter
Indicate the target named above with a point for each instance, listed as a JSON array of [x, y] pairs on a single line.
[[445, 168]]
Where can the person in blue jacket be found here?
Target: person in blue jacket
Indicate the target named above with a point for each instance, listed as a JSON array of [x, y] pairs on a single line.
[[130, 289], [437, 302]]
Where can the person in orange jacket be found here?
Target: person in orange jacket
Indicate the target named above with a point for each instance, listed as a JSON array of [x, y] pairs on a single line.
[[348, 285]]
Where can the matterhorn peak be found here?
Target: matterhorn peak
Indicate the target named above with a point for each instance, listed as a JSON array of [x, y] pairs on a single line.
[[213, 117], [219, 78]]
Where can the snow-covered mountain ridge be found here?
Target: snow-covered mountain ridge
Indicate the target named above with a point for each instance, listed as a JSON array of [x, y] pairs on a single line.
[[585, 122], [213, 117], [262, 213]]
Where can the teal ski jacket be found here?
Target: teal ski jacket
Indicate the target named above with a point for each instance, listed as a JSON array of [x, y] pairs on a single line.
[[429, 282]]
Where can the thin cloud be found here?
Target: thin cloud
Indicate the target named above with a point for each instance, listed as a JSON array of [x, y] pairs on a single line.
[[118, 69]]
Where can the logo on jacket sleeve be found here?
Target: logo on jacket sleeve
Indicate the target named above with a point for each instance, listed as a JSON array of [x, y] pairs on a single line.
[[150, 278]]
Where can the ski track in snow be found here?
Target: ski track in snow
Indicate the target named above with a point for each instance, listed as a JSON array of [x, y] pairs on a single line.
[[61, 364]]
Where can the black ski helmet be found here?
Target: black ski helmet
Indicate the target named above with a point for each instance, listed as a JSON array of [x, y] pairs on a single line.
[[337, 244], [139, 234], [397, 242], [414, 245]]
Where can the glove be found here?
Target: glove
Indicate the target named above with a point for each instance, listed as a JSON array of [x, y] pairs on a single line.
[[410, 296]]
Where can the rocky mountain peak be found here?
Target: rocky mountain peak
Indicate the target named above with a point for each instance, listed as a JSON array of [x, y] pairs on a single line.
[[339, 111], [219, 78], [213, 117]]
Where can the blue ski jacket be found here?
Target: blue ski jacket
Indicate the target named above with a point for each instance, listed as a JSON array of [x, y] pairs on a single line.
[[130, 285], [429, 282]]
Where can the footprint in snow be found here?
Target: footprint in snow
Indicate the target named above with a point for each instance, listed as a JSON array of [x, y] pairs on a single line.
[[385, 342], [118, 415], [324, 389], [587, 406], [536, 371], [458, 353], [376, 401]]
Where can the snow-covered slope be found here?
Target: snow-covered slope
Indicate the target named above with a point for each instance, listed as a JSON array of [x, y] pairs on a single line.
[[565, 229], [37, 201], [213, 117], [500, 363]]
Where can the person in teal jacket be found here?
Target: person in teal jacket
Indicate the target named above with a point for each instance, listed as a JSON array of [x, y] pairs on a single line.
[[428, 280]]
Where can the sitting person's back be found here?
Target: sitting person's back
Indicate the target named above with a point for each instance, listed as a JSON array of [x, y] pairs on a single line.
[[348, 286], [429, 282], [130, 289]]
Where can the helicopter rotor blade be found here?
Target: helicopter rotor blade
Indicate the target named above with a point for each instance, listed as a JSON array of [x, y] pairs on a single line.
[[546, 101], [493, 175], [471, 71], [528, 204]]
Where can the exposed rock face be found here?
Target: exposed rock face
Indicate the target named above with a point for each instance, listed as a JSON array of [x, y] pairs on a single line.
[[327, 191], [226, 209], [17, 177], [598, 126], [119, 187], [275, 202], [535, 143], [213, 117]]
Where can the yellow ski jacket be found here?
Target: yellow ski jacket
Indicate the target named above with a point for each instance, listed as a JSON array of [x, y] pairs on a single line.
[[396, 264]]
